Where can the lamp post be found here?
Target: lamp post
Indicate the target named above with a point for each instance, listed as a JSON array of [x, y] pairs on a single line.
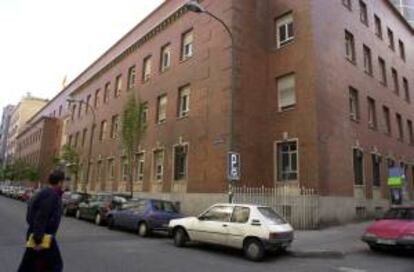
[[195, 7], [71, 100]]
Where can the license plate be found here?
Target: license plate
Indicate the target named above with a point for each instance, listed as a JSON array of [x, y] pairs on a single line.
[[386, 242]]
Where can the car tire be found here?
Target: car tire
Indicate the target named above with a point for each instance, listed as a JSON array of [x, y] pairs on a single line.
[[254, 250], [78, 214], [143, 229], [98, 219], [180, 237]]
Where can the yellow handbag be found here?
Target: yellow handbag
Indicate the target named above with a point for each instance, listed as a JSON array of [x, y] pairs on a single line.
[[45, 244]]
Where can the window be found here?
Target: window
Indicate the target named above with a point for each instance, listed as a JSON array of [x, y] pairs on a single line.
[[111, 169], [240, 215], [387, 120], [372, 114], [70, 139], [410, 132], [102, 134], [367, 60], [287, 161], [93, 131], [73, 112], [358, 167], [180, 162], [187, 45], [60, 110], [124, 168], [80, 109], [139, 167], [162, 109], [391, 43], [183, 101], [350, 46], [165, 57], [353, 104], [402, 50], [363, 12], [115, 127], [97, 98], [395, 81], [131, 77], [158, 167], [88, 102], [144, 117], [378, 27], [383, 71], [284, 30], [218, 213], [118, 86], [99, 172], [107, 91], [146, 71], [84, 133], [347, 4], [376, 170], [406, 90], [286, 92], [76, 139], [400, 127]]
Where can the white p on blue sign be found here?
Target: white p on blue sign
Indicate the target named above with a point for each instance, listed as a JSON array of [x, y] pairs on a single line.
[[233, 166]]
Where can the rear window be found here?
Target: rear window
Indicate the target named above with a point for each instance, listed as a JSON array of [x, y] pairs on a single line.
[[271, 215], [164, 206], [400, 214]]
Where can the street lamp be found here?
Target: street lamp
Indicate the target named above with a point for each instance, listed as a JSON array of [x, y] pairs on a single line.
[[195, 7], [72, 100]]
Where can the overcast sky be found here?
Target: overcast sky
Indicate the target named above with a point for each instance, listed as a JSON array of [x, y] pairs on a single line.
[[41, 41]]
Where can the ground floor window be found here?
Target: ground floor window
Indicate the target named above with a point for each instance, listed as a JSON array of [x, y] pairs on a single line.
[[139, 167], [158, 166], [287, 161], [358, 167], [180, 162], [376, 170]]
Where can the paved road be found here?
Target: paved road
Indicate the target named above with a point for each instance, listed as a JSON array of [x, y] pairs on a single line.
[[87, 248]]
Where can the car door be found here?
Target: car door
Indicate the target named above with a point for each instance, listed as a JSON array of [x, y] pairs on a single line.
[[238, 226], [134, 214], [211, 227]]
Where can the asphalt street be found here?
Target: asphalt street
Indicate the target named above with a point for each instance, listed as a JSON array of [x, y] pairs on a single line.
[[88, 248]]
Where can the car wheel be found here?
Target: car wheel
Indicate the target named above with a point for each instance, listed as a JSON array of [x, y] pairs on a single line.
[[180, 237], [254, 250], [143, 229], [78, 214], [98, 219]]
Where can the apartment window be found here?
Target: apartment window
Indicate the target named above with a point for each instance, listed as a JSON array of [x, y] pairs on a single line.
[[180, 162], [70, 139], [80, 109], [93, 131], [410, 132], [97, 98], [372, 114], [383, 71], [378, 27], [400, 127], [358, 167], [391, 43], [115, 127], [376, 170], [183, 101], [102, 134], [111, 169], [187, 45], [162, 109], [107, 92], [76, 139], [139, 167], [284, 30], [60, 111], [84, 133], [395, 81], [347, 4], [144, 114], [402, 50], [353, 104], [287, 161], [118, 86], [367, 60], [88, 102], [158, 167], [387, 120], [73, 112], [131, 77], [350, 46], [146, 71], [363, 12], [406, 90], [286, 92], [165, 57]]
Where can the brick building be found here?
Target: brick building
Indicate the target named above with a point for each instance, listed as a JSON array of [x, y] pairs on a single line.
[[322, 100], [4, 129]]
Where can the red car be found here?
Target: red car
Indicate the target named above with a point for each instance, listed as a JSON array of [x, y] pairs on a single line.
[[394, 230]]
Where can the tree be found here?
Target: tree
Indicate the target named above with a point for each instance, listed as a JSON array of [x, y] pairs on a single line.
[[20, 170], [132, 131], [69, 158]]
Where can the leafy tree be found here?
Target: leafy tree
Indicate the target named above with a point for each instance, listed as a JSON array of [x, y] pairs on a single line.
[[69, 159], [132, 131]]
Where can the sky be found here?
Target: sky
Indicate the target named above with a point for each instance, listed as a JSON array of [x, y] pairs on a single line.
[[42, 41]]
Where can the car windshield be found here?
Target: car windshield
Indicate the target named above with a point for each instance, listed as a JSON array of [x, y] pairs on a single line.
[[400, 214], [164, 206], [271, 215]]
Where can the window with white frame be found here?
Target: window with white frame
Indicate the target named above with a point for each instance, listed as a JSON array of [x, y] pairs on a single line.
[[165, 57], [139, 167], [146, 71], [350, 46], [372, 114], [106, 92], [118, 86], [131, 77], [187, 45], [284, 30], [383, 71], [162, 109], [287, 161], [158, 167], [115, 127], [286, 92], [183, 101], [180, 162], [367, 60], [353, 104]]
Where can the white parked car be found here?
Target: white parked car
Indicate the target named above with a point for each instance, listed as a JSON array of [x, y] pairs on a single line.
[[255, 229]]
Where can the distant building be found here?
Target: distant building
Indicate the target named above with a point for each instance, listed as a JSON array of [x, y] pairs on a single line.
[[4, 128], [406, 8]]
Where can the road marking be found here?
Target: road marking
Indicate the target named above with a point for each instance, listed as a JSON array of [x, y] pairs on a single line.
[[348, 269]]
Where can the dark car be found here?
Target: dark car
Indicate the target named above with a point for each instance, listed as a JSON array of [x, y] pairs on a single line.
[[96, 207], [71, 201], [144, 216]]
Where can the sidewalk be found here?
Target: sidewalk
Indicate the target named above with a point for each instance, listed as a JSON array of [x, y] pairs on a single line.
[[335, 240]]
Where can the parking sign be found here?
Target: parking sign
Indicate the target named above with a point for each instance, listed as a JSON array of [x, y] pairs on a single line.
[[233, 166]]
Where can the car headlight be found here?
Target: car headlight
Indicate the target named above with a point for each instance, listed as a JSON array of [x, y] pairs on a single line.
[[408, 237], [370, 235]]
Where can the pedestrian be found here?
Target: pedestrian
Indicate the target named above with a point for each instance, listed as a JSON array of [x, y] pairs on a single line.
[[43, 217]]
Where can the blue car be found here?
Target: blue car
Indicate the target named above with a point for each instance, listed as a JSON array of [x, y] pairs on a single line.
[[143, 216]]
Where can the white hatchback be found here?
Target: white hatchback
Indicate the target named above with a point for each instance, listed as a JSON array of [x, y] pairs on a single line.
[[255, 229]]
